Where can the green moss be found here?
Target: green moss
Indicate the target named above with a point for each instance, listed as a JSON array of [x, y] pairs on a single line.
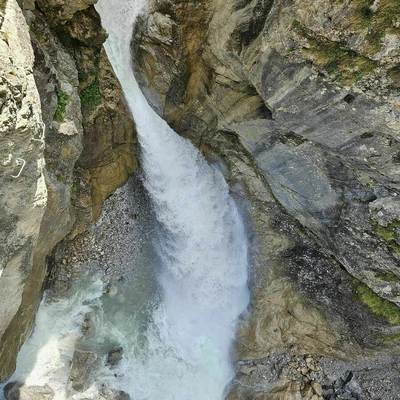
[[62, 101], [60, 178], [392, 339], [388, 233], [40, 36], [388, 277], [380, 307], [74, 188], [229, 136], [90, 96], [296, 24]]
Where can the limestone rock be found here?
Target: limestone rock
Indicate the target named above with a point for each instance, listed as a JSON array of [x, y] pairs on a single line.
[[24, 194]]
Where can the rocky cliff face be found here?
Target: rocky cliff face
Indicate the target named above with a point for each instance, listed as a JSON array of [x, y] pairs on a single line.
[[301, 101], [67, 142]]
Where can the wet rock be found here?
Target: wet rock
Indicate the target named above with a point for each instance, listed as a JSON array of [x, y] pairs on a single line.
[[89, 327], [18, 391], [115, 356], [84, 364], [112, 394]]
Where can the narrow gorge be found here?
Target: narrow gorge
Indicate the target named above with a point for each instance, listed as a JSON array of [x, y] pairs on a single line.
[[254, 254]]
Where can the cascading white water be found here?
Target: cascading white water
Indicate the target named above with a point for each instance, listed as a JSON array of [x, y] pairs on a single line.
[[204, 251], [201, 246]]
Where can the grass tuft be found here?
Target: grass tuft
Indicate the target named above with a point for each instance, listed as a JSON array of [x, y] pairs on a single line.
[[335, 58], [380, 307]]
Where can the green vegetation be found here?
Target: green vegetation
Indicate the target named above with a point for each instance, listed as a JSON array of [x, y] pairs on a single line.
[[389, 232], [40, 36], [90, 96], [60, 178], [229, 136], [380, 307], [392, 339], [62, 101], [296, 24], [388, 277], [336, 59], [6, 36], [74, 188], [363, 14], [378, 22], [82, 77]]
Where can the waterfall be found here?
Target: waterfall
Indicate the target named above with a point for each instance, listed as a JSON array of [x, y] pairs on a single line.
[[203, 246], [182, 352]]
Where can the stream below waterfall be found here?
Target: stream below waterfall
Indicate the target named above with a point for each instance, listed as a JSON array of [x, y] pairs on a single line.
[[182, 269]]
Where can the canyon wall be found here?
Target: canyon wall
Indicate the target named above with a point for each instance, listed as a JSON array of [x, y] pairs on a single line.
[[67, 142], [300, 99]]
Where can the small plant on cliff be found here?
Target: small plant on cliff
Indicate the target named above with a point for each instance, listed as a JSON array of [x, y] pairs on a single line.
[[6, 36], [62, 101], [90, 96], [382, 308]]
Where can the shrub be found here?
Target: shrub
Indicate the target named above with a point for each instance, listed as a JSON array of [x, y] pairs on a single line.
[[62, 101]]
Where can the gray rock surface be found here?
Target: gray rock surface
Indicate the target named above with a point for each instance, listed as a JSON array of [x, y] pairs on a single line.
[[303, 110], [24, 195]]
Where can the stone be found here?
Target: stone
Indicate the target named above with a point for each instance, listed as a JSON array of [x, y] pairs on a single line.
[[285, 391], [115, 356], [111, 394], [84, 364], [19, 391], [317, 388]]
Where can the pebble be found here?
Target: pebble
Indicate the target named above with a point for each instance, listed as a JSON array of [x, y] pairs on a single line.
[[317, 388], [113, 291]]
